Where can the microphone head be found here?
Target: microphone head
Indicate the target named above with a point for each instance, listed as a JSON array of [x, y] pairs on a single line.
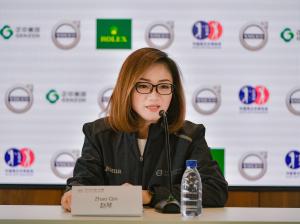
[[162, 113]]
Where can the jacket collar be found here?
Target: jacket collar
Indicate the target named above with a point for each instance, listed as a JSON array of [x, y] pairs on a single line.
[[155, 130]]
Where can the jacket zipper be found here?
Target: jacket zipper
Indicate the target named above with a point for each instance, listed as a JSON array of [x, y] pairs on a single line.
[[141, 166]]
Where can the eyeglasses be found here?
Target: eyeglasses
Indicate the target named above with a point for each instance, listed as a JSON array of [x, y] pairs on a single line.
[[161, 88]]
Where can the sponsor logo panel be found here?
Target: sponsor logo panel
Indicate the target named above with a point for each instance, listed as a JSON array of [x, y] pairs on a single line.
[[113, 34], [218, 154]]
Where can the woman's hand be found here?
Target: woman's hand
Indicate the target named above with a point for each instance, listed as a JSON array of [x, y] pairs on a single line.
[[66, 201], [145, 194], [146, 197]]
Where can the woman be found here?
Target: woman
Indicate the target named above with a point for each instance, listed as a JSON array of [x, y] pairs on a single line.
[[127, 147]]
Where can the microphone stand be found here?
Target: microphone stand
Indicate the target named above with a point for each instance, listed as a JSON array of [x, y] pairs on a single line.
[[169, 205]]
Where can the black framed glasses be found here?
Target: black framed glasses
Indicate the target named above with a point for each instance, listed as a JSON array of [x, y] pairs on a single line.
[[161, 88]]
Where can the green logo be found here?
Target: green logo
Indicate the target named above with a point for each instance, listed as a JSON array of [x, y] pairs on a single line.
[[6, 32], [52, 96], [287, 35], [218, 155], [113, 34]]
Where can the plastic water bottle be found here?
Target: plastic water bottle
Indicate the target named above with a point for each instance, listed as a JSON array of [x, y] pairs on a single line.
[[191, 190]]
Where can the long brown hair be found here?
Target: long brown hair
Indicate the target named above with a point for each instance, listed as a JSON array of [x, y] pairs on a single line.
[[121, 115]]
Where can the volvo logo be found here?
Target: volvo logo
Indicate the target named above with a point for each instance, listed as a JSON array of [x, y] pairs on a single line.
[[207, 100], [253, 165], [19, 98], [63, 162], [160, 34], [293, 101], [66, 34], [103, 100], [254, 36]]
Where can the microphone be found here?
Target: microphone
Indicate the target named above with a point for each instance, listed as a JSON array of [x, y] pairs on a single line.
[[169, 205]]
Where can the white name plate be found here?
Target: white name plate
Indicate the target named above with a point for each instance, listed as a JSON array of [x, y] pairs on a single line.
[[107, 200]]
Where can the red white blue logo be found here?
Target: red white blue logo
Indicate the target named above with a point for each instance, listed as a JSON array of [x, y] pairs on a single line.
[[23, 157], [207, 34], [211, 30], [254, 95], [292, 159], [254, 98]]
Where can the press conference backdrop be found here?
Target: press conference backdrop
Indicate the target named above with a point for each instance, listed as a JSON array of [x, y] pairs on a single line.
[[240, 64]]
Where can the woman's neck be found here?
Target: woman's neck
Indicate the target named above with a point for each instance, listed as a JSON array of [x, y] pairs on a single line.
[[143, 132]]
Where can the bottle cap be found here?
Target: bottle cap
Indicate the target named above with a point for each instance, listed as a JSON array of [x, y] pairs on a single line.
[[191, 163]]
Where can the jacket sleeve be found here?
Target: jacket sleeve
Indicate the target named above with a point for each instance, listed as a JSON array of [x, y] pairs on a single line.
[[89, 168], [214, 185]]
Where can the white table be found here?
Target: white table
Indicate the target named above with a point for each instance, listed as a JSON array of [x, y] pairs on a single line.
[[54, 214]]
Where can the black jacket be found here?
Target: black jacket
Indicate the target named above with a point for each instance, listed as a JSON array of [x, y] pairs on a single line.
[[113, 158]]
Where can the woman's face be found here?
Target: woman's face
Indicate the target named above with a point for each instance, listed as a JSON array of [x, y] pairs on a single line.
[[147, 105]]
